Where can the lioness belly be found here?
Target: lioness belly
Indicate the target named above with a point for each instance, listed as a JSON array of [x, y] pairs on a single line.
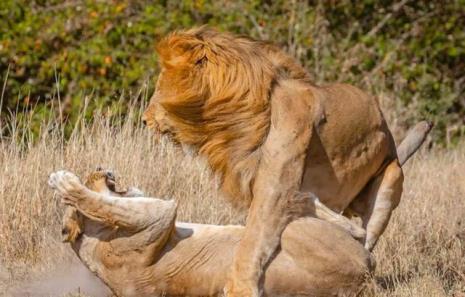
[[350, 142]]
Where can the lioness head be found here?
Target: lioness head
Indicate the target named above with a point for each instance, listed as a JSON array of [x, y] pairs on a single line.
[[101, 180], [213, 95]]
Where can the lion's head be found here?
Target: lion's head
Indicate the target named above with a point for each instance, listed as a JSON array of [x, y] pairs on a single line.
[[213, 94]]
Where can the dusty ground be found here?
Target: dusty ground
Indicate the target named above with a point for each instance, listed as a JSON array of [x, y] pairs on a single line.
[[421, 254]]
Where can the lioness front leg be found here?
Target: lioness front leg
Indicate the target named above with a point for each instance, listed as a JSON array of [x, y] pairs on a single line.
[[135, 213]]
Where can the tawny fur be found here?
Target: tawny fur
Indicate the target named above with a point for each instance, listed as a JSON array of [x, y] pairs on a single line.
[[137, 250], [268, 131], [222, 111], [102, 181]]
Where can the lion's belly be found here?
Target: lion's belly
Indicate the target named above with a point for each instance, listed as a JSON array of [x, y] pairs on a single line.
[[348, 146], [336, 182]]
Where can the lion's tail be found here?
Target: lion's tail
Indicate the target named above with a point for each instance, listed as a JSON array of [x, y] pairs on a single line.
[[412, 142]]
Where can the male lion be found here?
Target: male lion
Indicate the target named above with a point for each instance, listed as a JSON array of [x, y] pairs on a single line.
[[137, 249], [270, 132]]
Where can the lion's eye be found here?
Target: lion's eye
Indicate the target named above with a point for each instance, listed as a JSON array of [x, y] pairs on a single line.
[[201, 61]]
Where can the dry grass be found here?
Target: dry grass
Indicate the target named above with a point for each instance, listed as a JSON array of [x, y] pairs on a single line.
[[421, 254]]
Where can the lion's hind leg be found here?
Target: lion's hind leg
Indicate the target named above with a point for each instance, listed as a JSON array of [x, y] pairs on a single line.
[[377, 201]]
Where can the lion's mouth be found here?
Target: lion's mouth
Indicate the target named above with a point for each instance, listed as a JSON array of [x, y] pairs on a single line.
[[171, 138], [167, 136]]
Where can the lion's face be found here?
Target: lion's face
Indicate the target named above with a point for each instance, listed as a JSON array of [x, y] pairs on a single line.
[[155, 116], [213, 96]]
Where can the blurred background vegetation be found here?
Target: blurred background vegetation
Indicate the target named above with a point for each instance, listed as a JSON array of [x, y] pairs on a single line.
[[73, 57]]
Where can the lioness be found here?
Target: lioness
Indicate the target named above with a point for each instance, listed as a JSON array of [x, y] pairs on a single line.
[[269, 132], [135, 247]]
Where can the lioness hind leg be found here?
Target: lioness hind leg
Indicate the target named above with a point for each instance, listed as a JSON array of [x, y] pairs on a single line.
[[377, 201]]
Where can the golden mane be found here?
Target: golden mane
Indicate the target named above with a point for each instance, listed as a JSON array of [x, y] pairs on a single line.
[[217, 96]]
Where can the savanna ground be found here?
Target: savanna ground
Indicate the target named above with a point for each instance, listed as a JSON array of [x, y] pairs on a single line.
[[422, 252]]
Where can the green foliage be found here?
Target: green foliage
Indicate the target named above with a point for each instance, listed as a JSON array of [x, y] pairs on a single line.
[[412, 52]]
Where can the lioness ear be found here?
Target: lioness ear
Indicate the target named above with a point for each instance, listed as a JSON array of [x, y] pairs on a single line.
[[182, 49]]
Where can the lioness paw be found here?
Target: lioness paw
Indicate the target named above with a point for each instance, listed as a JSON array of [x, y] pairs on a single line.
[[65, 183]]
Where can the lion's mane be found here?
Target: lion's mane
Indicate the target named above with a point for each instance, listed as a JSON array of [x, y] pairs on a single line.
[[218, 99]]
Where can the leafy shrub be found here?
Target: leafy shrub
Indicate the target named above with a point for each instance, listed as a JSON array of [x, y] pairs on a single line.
[[409, 53]]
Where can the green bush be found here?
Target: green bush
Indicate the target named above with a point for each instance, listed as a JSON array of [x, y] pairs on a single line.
[[410, 52]]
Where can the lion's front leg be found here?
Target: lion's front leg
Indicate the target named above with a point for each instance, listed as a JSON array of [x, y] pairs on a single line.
[[274, 202], [268, 217]]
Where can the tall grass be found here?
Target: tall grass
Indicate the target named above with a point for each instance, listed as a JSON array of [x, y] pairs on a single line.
[[421, 253], [29, 214]]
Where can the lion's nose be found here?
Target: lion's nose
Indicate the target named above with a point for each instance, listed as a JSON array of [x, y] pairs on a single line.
[[64, 231], [144, 118]]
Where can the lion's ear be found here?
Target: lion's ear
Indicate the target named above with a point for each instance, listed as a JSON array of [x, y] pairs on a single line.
[[181, 50]]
